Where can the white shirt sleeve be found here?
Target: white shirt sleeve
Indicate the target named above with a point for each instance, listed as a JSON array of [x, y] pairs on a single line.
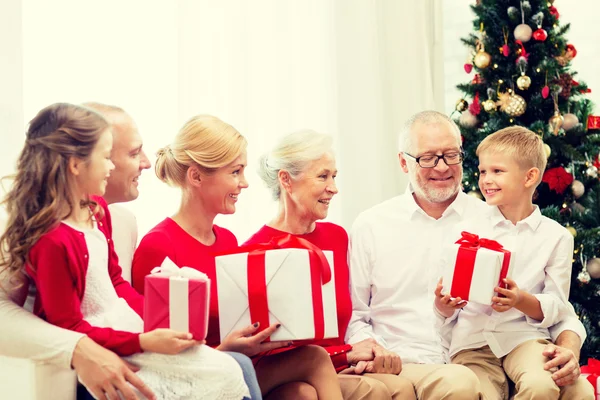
[[554, 297], [23, 335], [570, 323], [361, 265]]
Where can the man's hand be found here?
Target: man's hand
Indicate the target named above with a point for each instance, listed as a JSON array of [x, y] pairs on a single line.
[[445, 304], [242, 341], [103, 373], [565, 361], [361, 351], [512, 296]]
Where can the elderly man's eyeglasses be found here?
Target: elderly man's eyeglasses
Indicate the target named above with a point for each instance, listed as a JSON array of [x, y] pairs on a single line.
[[431, 161]]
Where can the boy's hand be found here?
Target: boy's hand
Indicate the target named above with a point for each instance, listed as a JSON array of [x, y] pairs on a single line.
[[512, 296], [445, 304]]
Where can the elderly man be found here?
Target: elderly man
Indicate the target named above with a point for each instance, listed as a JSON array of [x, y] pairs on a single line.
[[394, 247]]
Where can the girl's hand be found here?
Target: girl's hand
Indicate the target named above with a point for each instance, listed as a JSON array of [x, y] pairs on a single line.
[[512, 296], [167, 341], [445, 304], [242, 341]]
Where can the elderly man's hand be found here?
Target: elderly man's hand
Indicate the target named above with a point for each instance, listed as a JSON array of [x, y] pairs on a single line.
[[103, 373], [565, 361]]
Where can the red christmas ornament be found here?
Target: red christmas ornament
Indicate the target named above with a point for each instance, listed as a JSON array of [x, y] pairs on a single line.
[[545, 92], [554, 12], [468, 68], [505, 50], [558, 179], [570, 48], [597, 162], [477, 79], [475, 107], [540, 35]]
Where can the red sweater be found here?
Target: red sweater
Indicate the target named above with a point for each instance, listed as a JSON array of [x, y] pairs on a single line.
[[58, 265], [326, 236], [168, 239]]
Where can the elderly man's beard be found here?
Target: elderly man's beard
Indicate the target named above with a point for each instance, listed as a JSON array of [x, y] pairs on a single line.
[[423, 188]]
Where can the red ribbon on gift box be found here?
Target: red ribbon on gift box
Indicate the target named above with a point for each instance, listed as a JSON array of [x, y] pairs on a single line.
[[465, 262], [320, 274], [593, 122], [593, 369]]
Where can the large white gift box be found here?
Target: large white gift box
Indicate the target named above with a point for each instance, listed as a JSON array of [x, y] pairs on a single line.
[[277, 286], [474, 267]]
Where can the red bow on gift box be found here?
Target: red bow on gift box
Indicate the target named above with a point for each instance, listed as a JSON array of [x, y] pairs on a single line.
[[465, 263], [320, 274], [592, 369]]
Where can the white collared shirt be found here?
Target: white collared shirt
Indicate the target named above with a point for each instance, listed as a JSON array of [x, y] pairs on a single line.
[[542, 252], [394, 251]]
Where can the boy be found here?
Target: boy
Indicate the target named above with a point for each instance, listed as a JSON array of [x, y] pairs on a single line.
[[507, 338]]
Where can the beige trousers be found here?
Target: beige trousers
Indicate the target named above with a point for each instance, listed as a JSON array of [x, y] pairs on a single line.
[[524, 365], [442, 381], [376, 387]]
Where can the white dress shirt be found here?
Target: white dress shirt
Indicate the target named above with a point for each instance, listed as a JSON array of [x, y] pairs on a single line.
[[394, 251], [542, 252], [125, 235]]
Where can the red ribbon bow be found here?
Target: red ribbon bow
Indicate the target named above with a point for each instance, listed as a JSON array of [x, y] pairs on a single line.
[[320, 274], [592, 367], [465, 262]]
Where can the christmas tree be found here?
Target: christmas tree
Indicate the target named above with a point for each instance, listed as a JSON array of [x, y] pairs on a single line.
[[521, 75]]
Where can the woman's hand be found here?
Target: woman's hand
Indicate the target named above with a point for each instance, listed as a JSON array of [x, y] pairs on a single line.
[[167, 341], [242, 341]]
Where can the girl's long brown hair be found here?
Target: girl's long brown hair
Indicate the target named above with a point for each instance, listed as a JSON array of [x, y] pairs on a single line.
[[40, 195]]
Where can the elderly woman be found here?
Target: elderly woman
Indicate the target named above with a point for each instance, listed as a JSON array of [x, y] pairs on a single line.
[[300, 171]]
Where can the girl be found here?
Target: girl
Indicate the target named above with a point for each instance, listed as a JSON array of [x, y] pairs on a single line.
[[207, 162], [59, 235]]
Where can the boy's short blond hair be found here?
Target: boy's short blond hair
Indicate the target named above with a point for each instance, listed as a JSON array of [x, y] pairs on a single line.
[[518, 142]]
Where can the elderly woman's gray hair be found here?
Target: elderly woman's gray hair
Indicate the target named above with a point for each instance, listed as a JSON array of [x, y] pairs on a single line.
[[293, 153]]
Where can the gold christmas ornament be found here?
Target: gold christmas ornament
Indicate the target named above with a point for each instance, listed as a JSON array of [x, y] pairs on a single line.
[[512, 104], [555, 122], [570, 121], [577, 188], [482, 59], [489, 105], [468, 120], [523, 32], [593, 268], [523, 82], [548, 150], [476, 194], [572, 231], [461, 105]]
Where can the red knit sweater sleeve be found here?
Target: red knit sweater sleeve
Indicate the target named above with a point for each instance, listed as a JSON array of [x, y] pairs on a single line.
[[122, 287], [151, 253], [56, 276]]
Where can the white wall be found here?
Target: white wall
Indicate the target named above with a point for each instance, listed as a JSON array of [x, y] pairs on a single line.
[[344, 67], [584, 35]]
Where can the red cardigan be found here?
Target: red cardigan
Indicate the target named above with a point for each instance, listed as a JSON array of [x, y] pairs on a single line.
[[168, 239], [326, 236], [58, 265]]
